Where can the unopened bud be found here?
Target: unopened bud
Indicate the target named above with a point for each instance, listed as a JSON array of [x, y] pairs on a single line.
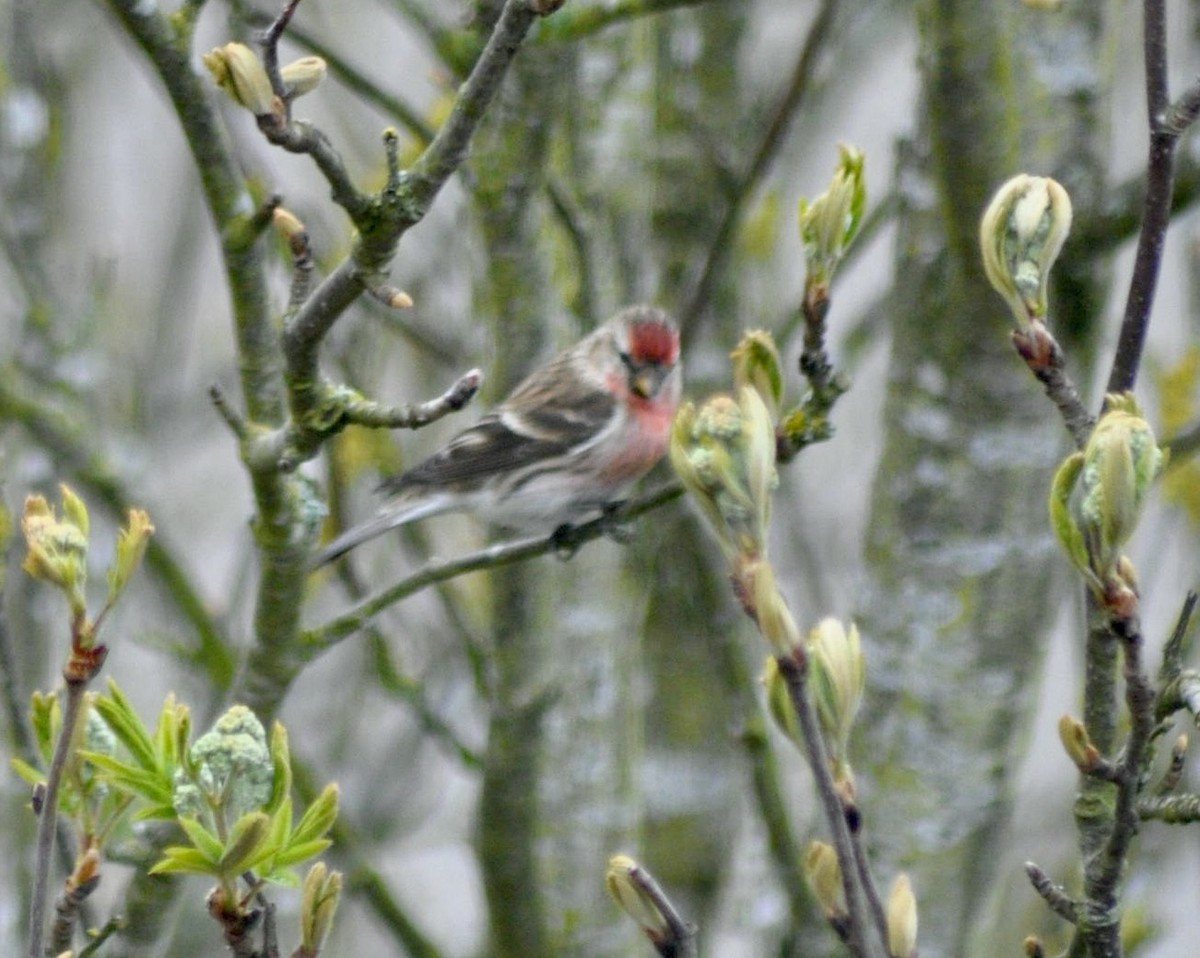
[[823, 874], [725, 454], [1077, 744], [58, 547], [779, 700], [318, 902], [303, 76], [132, 541], [287, 224], [901, 919], [1033, 947], [837, 676], [771, 612], [236, 69], [1097, 497], [756, 363], [830, 222], [630, 894], [1021, 235]]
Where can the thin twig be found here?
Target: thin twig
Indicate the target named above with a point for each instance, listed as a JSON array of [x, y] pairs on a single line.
[[1156, 211], [1045, 359], [315, 641], [794, 669], [1054, 895], [681, 940], [48, 819], [414, 415], [1101, 930]]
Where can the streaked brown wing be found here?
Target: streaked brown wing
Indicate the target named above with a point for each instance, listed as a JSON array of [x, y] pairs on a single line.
[[509, 440]]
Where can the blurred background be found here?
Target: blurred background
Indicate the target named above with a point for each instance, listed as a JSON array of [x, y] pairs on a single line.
[[544, 716]]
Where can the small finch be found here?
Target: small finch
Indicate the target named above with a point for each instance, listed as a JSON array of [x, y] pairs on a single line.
[[569, 441]]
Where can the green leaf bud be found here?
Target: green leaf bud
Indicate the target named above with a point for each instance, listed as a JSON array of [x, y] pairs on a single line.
[[836, 679], [131, 547], [756, 363], [779, 700], [303, 76], [1021, 235], [771, 612], [318, 903], [823, 873], [631, 896], [829, 223], [1077, 743], [901, 919], [57, 547], [725, 455], [1097, 496], [236, 69]]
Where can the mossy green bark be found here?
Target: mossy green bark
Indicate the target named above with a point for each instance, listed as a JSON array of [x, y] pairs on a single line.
[[962, 565]]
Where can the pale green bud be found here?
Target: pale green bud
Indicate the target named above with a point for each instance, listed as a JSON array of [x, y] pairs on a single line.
[[823, 873], [836, 679], [779, 700], [1021, 235], [319, 898], [631, 897], [901, 919], [756, 363], [236, 69], [770, 610], [1077, 743], [725, 455], [1097, 495], [131, 547], [303, 76], [57, 547], [829, 223]]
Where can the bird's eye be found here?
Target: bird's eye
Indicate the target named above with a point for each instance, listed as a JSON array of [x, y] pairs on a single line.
[[627, 361]]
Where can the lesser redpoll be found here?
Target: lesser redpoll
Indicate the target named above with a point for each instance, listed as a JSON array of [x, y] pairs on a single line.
[[569, 441]]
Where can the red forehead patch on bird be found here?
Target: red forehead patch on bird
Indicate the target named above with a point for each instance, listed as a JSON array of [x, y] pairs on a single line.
[[653, 341]]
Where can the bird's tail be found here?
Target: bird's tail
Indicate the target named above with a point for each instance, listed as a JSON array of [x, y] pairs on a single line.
[[376, 526]]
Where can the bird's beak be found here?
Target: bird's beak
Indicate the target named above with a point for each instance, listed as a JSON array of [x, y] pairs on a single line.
[[648, 381]]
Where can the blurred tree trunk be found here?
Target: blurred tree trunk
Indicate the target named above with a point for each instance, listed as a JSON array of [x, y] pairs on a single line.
[[559, 783], [960, 554]]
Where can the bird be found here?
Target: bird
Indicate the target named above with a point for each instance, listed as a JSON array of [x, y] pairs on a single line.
[[570, 440]]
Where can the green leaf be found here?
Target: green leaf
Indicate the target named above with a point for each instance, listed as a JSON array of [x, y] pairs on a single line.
[[299, 852], [247, 843], [120, 716], [281, 824], [319, 817], [286, 877], [171, 732], [45, 716], [1061, 520], [149, 785], [179, 858], [281, 784], [163, 810], [205, 841], [33, 776]]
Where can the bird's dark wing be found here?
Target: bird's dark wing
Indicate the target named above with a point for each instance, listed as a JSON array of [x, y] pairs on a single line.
[[511, 438]]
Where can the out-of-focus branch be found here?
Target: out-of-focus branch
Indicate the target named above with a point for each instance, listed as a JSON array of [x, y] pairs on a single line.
[[580, 20], [799, 85], [318, 640]]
